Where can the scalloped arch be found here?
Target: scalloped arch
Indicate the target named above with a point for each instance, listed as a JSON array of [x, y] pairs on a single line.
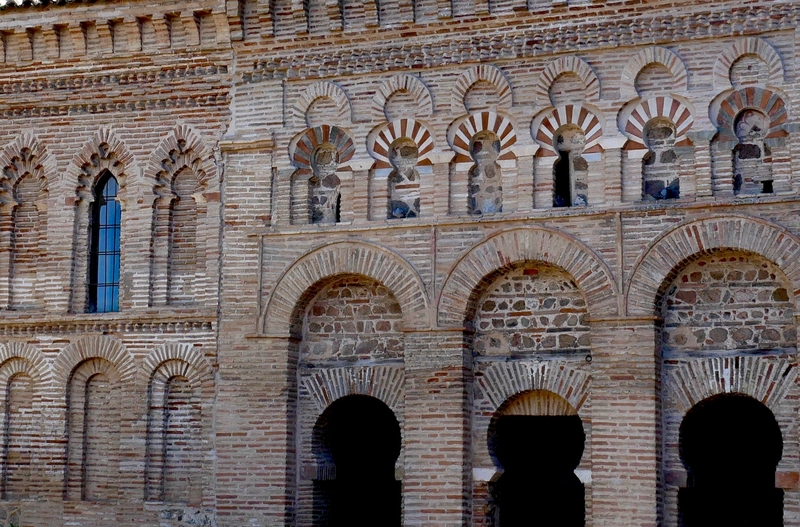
[[403, 82], [45, 166], [385, 383], [182, 140], [766, 379], [506, 248], [303, 145], [484, 72], [87, 348], [199, 369], [634, 118], [340, 258], [771, 103], [558, 67], [670, 252], [462, 131], [503, 380], [547, 123], [116, 158], [379, 143], [658, 55], [316, 91], [33, 356], [747, 46]]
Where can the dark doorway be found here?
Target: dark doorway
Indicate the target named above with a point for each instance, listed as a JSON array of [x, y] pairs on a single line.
[[362, 437], [730, 445], [539, 455]]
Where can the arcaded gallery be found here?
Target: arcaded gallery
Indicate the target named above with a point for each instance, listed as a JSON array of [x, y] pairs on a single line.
[[384, 263]]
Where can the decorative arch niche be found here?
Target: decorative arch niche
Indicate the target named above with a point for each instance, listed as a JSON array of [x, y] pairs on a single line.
[[185, 184], [103, 157], [24, 184]]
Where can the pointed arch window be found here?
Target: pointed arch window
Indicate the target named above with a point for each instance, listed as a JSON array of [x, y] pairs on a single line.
[[104, 243]]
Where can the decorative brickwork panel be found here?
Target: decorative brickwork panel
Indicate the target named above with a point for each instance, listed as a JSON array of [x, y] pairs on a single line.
[[18, 445], [24, 212], [182, 471], [93, 433], [184, 227], [183, 255], [529, 310], [767, 379], [352, 319], [729, 301]]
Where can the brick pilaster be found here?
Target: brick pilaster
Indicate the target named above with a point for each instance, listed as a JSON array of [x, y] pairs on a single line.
[[435, 486], [625, 417]]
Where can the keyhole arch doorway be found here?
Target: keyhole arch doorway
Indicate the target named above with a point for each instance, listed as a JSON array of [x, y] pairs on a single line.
[[360, 437], [538, 439], [731, 445]]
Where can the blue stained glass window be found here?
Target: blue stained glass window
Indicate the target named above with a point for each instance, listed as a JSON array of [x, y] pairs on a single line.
[[104, 255]]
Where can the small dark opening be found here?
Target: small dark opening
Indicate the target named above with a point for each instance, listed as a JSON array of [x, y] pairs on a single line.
[[362, 437], [539, 455], [766, 187], [731, 445], [562, 196]]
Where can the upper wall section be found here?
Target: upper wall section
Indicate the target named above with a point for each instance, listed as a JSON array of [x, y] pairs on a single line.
[[61, 32]]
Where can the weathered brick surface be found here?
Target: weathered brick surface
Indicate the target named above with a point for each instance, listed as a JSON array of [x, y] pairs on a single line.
[[242, 320]]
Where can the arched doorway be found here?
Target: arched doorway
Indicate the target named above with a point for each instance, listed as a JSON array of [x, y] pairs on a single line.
[[730, 445], [537, 438], [360, 436]]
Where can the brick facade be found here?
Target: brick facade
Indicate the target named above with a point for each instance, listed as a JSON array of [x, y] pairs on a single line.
[[463, 210]]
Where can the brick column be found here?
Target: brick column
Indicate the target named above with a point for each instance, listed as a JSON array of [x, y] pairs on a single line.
[[626, 413], [613, 168], [702, 161], [435, 485]]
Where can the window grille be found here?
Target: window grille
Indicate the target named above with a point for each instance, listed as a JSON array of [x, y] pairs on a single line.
[[104, 257]]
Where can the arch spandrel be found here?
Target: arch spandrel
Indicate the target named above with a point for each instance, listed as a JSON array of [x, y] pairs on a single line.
[[592, 275], [343, 258], [673, 249]]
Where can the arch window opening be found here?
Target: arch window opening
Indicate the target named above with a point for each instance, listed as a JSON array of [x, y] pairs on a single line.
[[404, 185], [104, 243], [563, 193], [731, 445], [326, 199], [752, 159], [360, 436], [539, 455], [660, 164], [571, 170], [485, 176]]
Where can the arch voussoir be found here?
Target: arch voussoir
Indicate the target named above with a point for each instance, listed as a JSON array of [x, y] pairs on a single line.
[[345, 258], [522, 245], [673, 249]]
